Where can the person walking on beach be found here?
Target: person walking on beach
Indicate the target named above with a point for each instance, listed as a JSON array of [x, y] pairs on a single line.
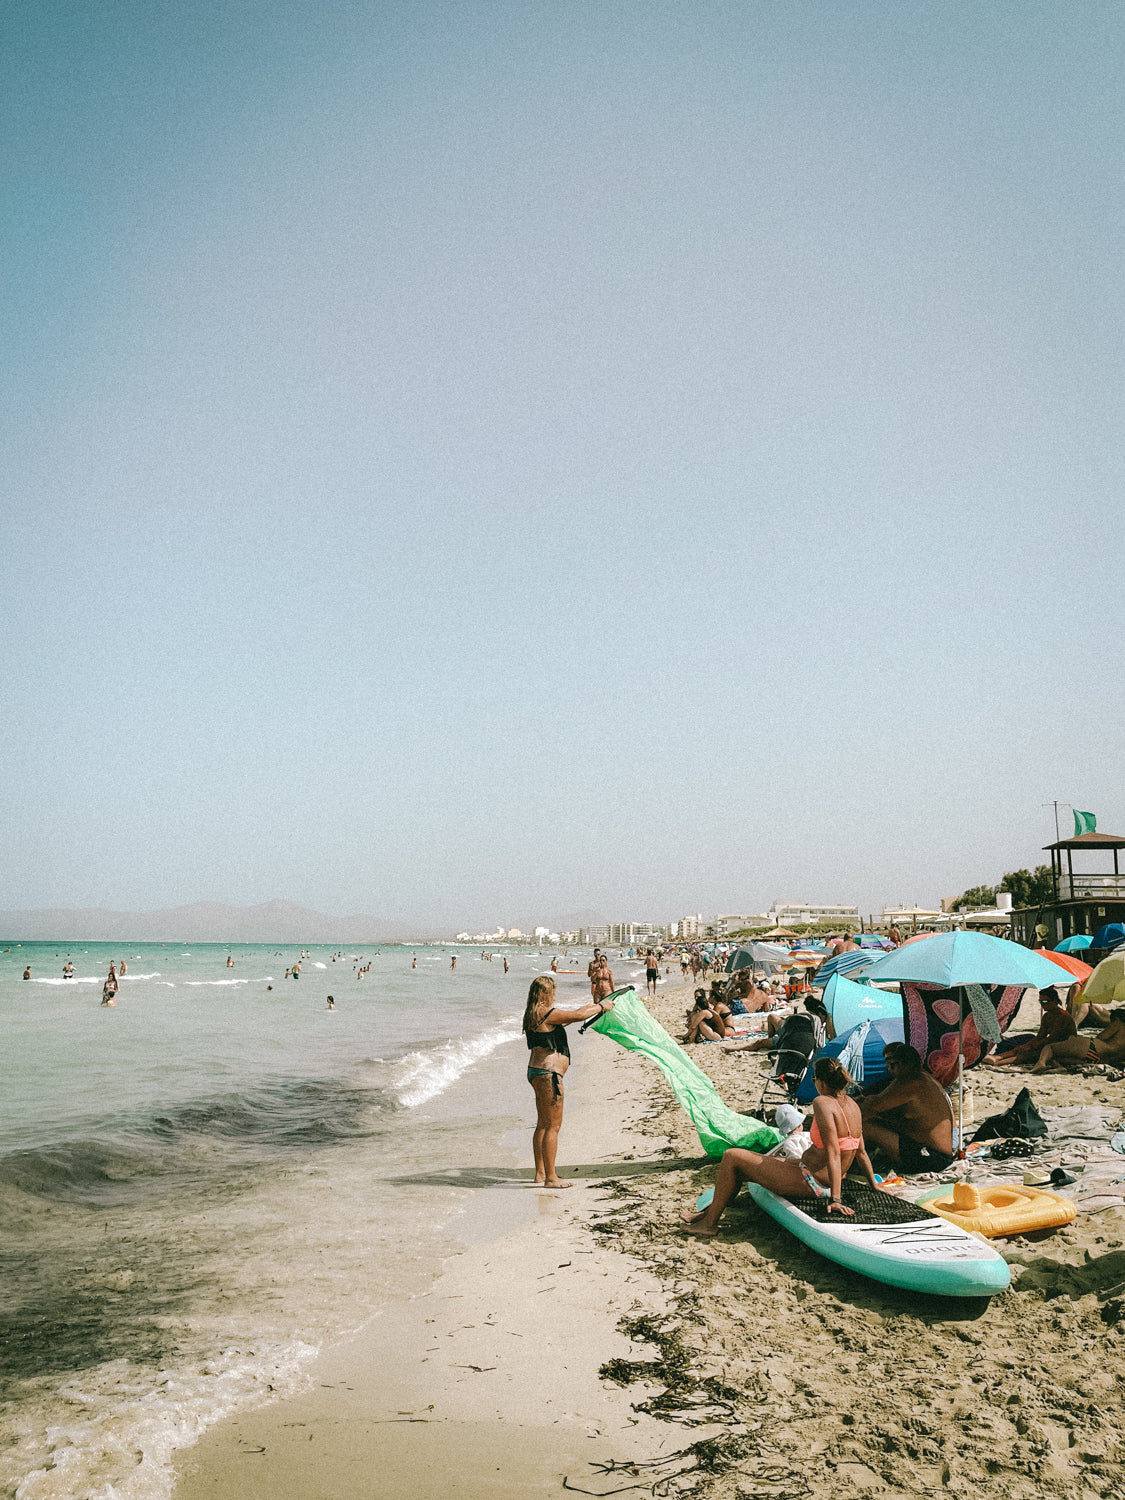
[[544, 1026], [601, 981], [652, 971]]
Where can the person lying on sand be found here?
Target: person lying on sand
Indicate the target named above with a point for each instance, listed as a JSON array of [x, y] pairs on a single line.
[[923, 1115], [837, 1141], [1056, 1025], [1107, 1047]]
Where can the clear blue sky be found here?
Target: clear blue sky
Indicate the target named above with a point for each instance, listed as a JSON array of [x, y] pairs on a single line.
[[471, 460]]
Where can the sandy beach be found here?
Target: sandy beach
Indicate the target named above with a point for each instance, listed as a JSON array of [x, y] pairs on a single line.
[[579, 1332]]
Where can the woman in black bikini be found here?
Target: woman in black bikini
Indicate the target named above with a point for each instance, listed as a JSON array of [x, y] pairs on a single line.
[[544, 1025]]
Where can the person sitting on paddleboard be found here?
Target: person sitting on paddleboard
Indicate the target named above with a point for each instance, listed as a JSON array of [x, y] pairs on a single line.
[[837, 1141]]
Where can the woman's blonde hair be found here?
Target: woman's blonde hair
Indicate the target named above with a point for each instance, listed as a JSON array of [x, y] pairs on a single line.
[[540, 998]]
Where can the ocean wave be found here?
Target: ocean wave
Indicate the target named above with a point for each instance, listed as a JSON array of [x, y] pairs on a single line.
[[125, 1428], [421, 1076], [127, 978], [78, 979], [233, 1130], [320, 966], [197, 982]]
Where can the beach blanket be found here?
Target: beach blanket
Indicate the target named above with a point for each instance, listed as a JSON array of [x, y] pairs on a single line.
[[931, 1022], [630, 1025]]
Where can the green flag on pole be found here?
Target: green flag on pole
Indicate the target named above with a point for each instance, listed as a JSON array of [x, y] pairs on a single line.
[[1084, 822]]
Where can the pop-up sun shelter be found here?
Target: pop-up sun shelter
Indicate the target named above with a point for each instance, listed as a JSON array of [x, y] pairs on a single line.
[[848, 1003], [867, 1040]]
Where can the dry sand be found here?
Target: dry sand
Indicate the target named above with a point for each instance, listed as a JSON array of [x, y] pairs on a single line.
[[767, 1369]]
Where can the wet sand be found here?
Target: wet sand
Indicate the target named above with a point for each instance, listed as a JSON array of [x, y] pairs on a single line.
[[766, 1369]]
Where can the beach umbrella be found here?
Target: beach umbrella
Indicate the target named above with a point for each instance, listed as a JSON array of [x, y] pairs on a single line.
[[1074, 967], [1112, 935], [845, 963], [918, 937], [872, 940], [1107, 983], [961, 958], [848, 1003], [757, 956], [1074, 944], [948, 972], [878, 1034]]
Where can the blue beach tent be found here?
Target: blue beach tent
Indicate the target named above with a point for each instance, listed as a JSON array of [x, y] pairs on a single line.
[[1109, 936], [849, 1003], [880, 1032]]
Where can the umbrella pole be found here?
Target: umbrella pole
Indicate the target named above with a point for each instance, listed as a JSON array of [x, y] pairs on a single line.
[[960, 1075]]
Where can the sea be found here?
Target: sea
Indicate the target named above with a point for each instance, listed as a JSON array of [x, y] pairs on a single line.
[[203, 1184]]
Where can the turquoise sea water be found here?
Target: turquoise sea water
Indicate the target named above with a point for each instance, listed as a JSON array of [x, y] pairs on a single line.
[[201, 1184]]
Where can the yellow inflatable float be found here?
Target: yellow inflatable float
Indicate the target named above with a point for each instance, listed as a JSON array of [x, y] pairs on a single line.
[[1000, 1208]]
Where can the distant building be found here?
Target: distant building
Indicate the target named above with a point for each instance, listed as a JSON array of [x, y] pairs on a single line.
[[802, 913], [515, 935], [912, 917], [593, 937], [727, 922], [687, 929]]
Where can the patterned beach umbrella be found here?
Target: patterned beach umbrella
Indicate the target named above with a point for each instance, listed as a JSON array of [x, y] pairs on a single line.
[[845, 963]]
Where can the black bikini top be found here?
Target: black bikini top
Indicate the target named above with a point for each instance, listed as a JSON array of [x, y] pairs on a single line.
[[554, 1040]]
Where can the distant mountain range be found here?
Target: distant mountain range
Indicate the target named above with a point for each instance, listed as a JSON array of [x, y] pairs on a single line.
[[211, 922], [207, 922]]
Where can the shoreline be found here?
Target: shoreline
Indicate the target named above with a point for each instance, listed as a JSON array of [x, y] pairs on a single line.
[[795, 1376], [490, 1378]]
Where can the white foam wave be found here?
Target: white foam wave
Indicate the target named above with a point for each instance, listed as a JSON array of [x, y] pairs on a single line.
[[424, 1075], [320, 966], [198, 982], [78, 979], [123, 1434], [128, 978]]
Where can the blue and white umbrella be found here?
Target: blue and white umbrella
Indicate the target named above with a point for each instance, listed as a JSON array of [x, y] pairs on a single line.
[[845, 963]]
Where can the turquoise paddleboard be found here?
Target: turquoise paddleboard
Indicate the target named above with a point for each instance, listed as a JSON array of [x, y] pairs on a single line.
[[926, 1255]]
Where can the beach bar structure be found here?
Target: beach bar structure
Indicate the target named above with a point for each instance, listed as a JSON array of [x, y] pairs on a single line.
[[1082, 899]]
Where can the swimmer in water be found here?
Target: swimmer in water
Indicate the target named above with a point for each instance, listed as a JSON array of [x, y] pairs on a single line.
[[414, 961], [230, 962], [27, 972], [331, 1003], [453, 962]]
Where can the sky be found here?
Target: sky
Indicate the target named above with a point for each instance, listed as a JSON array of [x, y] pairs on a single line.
[[472, 460]]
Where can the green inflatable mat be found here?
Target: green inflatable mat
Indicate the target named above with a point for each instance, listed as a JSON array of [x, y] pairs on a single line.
[[630, 1025]]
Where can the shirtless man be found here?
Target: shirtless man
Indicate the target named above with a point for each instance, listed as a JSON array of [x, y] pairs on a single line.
[[601, 981], [923, 1141], [593, 966], [1107, 1047], [1057, 1025], [652, 971]]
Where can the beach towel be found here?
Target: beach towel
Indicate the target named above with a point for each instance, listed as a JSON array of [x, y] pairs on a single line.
[[630, 1025], [931, 1014]]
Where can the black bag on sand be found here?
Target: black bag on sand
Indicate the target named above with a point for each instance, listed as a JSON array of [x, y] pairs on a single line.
[[1022, 1119]]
